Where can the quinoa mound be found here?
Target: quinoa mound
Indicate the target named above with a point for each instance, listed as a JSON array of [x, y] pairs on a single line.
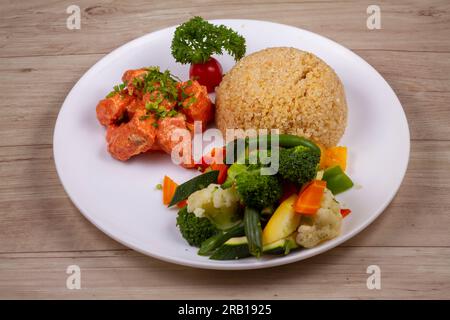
[[286, 89]]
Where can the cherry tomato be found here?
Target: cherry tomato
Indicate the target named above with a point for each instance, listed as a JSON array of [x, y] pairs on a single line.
[[208, 74]]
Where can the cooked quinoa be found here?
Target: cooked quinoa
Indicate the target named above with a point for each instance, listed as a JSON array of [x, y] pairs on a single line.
[[286, 89]]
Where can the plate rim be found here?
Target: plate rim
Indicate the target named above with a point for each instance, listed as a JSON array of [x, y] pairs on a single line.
[[235, 265]]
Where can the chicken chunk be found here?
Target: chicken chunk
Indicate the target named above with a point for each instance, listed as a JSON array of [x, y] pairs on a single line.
[[130, 75], [131, 138], [152, 116], [196, 103], [173, 136], [156, 96], [110, 110], [135, 105]]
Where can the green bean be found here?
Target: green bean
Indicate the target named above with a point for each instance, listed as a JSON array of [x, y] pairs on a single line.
[[288, 141], [253, 231], [284, 140]]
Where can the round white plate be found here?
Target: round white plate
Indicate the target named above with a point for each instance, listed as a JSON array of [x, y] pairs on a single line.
[[121, 198]]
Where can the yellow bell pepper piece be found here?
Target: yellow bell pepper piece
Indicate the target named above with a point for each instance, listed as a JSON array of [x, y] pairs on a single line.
[[334, 156], [283, 222]]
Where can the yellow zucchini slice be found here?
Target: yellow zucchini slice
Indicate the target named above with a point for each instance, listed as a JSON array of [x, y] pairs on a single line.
[[283, 222]]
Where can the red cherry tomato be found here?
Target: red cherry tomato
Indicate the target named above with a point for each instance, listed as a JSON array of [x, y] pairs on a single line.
[[208, 74]]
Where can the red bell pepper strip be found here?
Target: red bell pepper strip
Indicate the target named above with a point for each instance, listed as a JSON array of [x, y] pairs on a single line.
[[223, 169], [345, 212], [182, 204]]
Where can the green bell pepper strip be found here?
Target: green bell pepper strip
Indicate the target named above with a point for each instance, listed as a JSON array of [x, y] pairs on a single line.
[[337, 180]]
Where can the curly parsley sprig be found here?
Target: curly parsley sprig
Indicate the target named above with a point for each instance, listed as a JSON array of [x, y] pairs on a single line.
[[196, 40]]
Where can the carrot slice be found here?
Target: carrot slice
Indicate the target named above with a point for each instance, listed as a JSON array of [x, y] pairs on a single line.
[[309, 199], [169, 187]]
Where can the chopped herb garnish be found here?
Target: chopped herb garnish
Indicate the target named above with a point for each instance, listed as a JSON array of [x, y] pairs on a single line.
[[172, 113], [145, 117], [117, 89], [163, 82], [191, 101], [184, 95], [161, 86], [153, 80], [159, 186]]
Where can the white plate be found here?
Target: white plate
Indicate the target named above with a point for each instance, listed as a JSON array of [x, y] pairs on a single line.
[[121, 199]]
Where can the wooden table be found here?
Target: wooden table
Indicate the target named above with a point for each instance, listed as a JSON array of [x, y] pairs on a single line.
[[42, 233]]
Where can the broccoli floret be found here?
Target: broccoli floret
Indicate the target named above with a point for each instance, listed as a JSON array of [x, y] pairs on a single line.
[[256, 190], [195, 230], [298, 164], [233, 171]]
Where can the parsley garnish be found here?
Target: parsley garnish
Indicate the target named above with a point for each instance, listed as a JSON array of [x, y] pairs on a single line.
[[196, 40]]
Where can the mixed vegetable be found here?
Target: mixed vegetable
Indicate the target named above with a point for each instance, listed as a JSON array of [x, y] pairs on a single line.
[[235, 211]]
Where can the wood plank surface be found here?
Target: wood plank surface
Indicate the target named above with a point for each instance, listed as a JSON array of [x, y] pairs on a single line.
[[340, 273], [41, 232], [106, 25]]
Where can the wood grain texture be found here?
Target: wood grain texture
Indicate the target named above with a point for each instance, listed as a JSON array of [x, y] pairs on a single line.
[[108, 24], [41, 232], [340, 273]]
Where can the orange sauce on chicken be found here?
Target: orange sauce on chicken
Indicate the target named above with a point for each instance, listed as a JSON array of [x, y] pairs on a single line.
[[143, 115]]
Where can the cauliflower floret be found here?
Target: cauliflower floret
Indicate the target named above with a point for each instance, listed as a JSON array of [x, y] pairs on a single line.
[[324, 225], [221, 206]]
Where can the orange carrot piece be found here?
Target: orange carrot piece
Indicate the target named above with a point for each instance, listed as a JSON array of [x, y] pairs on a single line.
[[309, 199], [169, 187]]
